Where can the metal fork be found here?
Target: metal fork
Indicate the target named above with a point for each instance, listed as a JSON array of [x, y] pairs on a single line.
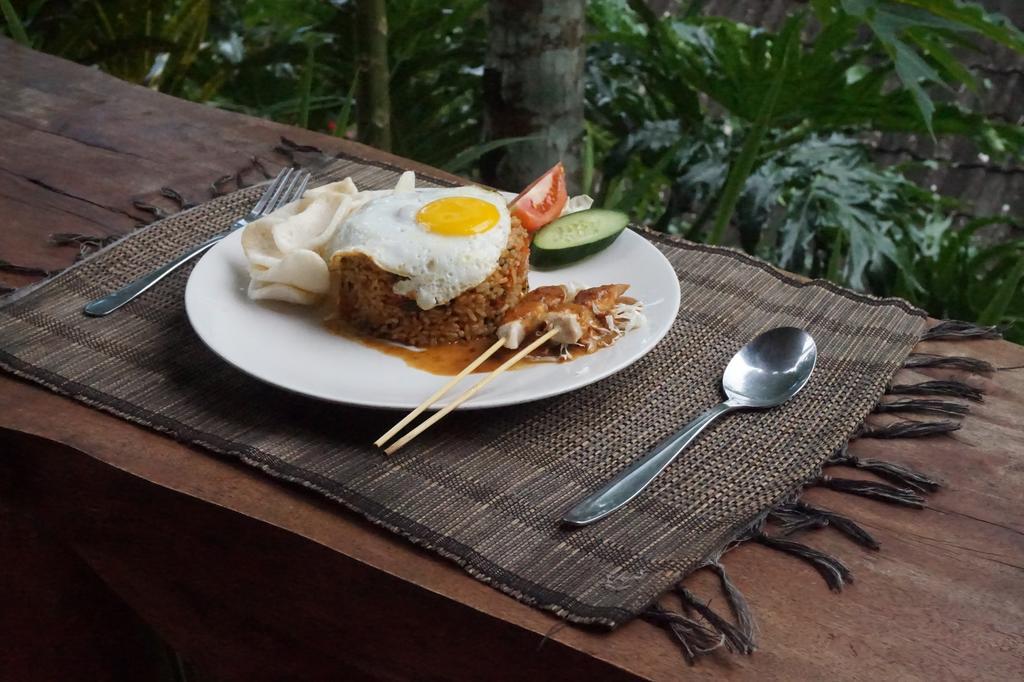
[[288, 186]]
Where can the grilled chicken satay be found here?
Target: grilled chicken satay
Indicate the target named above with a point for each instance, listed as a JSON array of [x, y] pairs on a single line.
[[573, 321], [521, 320], [551, 295], [579, 322], [527, 316], [603, 299]]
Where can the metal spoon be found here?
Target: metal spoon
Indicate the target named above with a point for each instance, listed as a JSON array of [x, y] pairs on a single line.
[[765, 373]]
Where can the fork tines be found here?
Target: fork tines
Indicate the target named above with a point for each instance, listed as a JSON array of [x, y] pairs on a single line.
[[288, 186]]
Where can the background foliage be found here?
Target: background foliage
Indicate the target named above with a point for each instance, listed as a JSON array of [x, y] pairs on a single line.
[[697, 125]]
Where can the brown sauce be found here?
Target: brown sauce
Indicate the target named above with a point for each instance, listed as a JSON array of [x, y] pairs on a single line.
[[449, 359]]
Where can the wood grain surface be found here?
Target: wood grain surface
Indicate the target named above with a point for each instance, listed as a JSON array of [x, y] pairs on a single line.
[[256, 580]]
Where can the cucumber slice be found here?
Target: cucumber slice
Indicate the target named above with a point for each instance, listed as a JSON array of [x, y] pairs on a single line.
[[575, 236]]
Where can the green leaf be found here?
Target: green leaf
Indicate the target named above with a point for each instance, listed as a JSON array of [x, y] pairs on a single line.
[[467, 157], [934, 48], [14, 24], [973, 16], [345, 115], [836, 257], [927, 23], [587, 180], [665, 43], [638, 191], [306, 85], [741, 168], [1004, 295], [913, 70]]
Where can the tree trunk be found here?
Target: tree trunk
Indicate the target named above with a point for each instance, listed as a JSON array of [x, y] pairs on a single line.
[[533, 85], [373, 101]]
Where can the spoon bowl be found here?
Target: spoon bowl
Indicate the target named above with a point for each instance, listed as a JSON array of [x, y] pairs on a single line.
[[771, 369]]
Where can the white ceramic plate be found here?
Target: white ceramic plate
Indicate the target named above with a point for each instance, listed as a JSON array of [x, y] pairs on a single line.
[[286, 345]]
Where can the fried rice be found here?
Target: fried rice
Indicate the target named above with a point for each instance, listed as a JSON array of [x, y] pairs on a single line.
[[363, 296]]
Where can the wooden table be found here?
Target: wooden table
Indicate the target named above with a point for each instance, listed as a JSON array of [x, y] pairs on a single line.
[[105, 526]]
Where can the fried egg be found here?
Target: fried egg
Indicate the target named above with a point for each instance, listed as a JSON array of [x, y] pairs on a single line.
[[442, 242]]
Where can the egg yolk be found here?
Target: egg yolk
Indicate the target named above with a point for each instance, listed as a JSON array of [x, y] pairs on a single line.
[[458, 216]]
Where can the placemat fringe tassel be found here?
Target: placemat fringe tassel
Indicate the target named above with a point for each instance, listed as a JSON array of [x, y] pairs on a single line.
[[86, 243], [834, 571], [949, 388], [925, 406], [899, 474], [800, 516], [957, 329], [737, 604], [693, 638], [906, 428], [736, 640], [872, 490], [156, 212], [7, 266], [968, 364], [183, 204]]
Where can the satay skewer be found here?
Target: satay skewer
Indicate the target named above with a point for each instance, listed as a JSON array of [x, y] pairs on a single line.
[[566, 322], [439, 393], [521, 320], [440, 414]]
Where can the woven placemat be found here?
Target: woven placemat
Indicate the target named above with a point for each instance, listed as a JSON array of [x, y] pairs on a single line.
[[486, 489]]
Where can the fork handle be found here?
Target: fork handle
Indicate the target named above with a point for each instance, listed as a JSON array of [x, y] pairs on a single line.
[[111, 302]]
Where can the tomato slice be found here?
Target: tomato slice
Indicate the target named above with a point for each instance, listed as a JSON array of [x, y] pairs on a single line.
[[542, 201]]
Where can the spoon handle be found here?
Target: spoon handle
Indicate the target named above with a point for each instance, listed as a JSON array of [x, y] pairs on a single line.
[[630, 481]]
